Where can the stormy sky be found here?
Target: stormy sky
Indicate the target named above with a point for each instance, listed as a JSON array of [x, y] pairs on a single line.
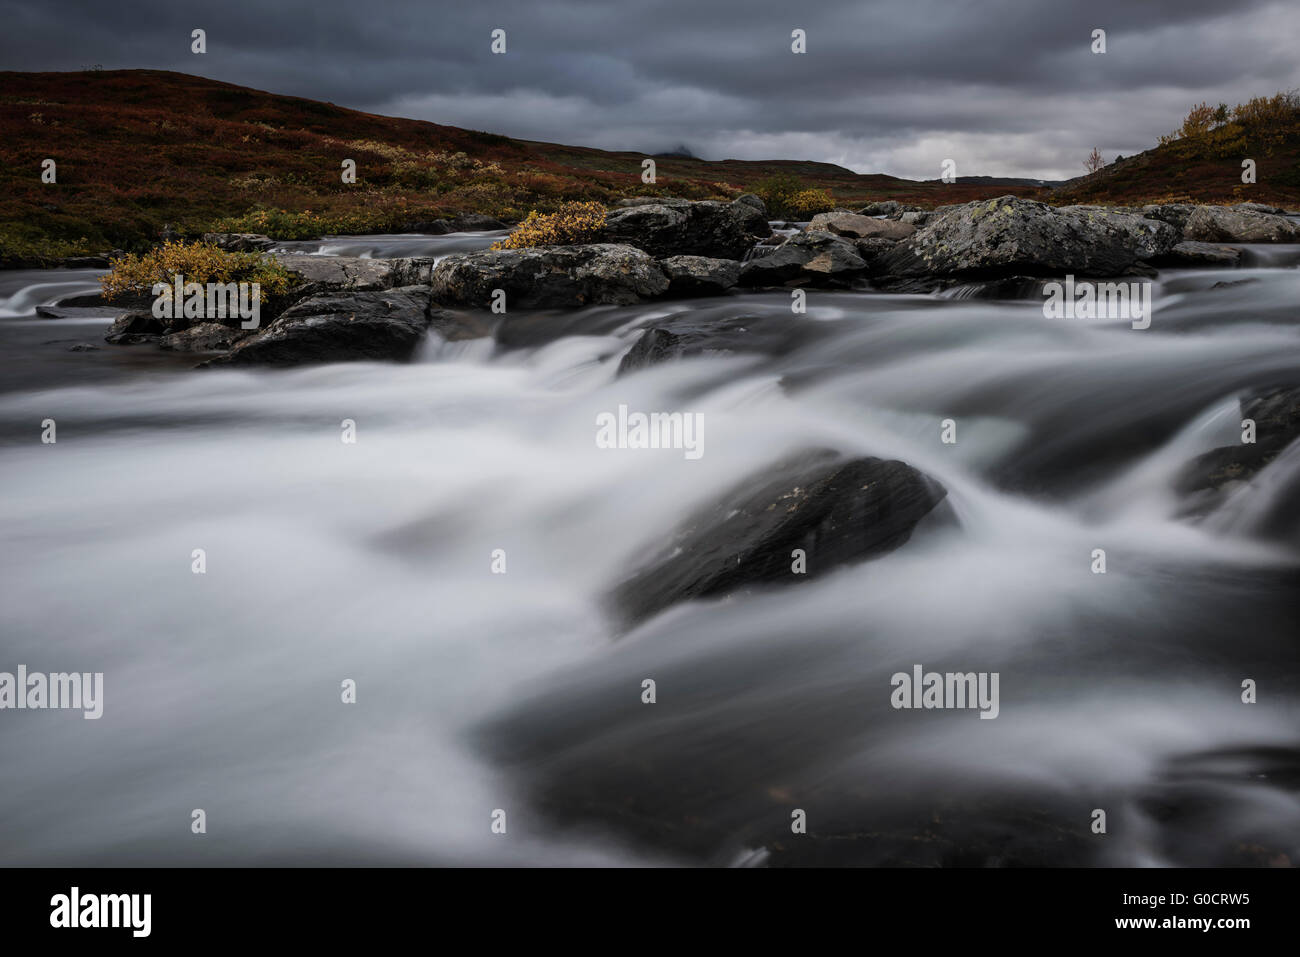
[[1003, 87]]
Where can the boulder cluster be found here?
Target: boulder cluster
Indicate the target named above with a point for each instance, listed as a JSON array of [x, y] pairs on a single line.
[[654, 248]]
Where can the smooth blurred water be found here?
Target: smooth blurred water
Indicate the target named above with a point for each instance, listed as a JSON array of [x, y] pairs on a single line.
[[478, 691], [394, 245]]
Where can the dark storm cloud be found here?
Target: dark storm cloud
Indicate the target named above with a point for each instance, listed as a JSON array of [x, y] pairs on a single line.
[[1004, 87]]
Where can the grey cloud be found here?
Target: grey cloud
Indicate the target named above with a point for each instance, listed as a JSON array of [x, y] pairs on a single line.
[[1005, 87]]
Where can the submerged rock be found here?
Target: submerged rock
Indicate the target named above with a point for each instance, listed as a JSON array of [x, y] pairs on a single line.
[[837, 510], [547, 277], [339, 327], [1205, 480], [719, 331], [651, 348]]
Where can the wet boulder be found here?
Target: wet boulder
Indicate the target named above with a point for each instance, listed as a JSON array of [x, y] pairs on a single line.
[[203, 337], [873, 250], [135, 327], [1175, 214], [476, 223], [1206, 480], [1201, 254], [239, 242], [889, 208], [652, 347], [1010, 236], [843, 223], [811, 258], [1237, 224], [699, 275], [720, 331], [684, 228], [549, 277], [339, 327], [837, 509], [320, 274], [469, 223]]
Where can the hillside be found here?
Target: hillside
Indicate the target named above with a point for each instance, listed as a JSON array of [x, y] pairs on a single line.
[[1201, 161], [138, 149]]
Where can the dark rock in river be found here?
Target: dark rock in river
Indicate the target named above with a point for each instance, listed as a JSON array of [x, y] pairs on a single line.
[[61, 312], [809, 259], [239, 242], [713, 229], [1200, 254], [93, 300], [332, 273], [720, 331], [653, 347], [699, 275], [1175, 214], [547, 277], [134, 327], [890, 208], [469, 223], [1010, 235], [457, 325], [339, 327], [873, 249], [843, 223], [1208, 477], [89, 262], [1237, 224], [203, 337], [477, 223], [838, 511]]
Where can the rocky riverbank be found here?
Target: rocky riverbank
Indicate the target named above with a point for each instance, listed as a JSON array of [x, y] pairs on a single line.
[[653, 248]]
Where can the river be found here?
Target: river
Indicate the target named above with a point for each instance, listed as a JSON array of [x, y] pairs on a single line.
[[478, 691]]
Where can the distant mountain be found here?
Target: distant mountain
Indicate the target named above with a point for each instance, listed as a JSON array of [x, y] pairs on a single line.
[[680, 150], [1007, 181]]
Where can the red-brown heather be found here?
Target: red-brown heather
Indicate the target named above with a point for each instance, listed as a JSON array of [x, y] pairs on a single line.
[[140, 149]]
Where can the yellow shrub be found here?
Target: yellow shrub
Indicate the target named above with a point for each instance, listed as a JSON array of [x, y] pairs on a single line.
[[571, 223], [198, 262], [810, 202]]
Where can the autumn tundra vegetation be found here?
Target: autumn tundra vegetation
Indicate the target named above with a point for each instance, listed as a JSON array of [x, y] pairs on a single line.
[[142, 155]]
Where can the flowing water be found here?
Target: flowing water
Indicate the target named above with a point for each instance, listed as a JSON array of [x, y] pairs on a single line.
[[477, 691], [394, 245]]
